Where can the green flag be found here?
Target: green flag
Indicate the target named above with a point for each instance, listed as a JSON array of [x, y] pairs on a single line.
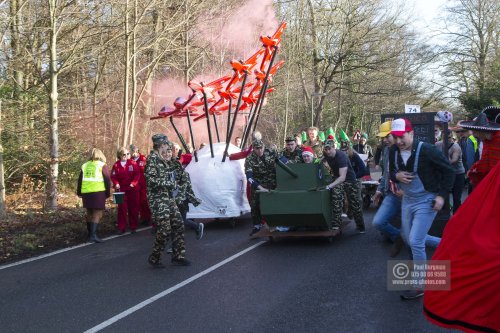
[[304, 137], [343, 136], [321, 136], [329, 132]]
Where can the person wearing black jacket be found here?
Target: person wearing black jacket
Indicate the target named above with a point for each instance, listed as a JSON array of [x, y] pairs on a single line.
[[426, 177]]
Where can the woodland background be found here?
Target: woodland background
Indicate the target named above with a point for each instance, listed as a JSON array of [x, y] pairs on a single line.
[[77, 74]]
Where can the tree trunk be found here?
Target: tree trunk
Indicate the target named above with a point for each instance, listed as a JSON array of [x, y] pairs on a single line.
[[2, 180], [53, 174], [16, 47], [17, 65], [133, 103], [339, 101], [149, 103], [186, 44], [125, 102], [315, 66]]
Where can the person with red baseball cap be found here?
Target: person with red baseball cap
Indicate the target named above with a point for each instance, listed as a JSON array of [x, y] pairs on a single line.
[[426, 177]]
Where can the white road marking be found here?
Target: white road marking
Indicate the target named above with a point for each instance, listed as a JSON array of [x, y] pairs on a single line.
[[169, 290], [63, 250]]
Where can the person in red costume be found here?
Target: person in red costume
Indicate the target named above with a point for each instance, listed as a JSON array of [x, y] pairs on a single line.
[[140, 160], [125, 177], [471, 243]]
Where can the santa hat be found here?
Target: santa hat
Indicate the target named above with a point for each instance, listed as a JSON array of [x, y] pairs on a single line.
[[307, 151]]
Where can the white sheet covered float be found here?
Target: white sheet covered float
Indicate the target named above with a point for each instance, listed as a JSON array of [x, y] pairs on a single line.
[[220, 185]]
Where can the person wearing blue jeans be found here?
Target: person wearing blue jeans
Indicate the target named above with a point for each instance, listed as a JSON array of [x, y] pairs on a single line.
[[426, 177], [391, 205], [388, 210]]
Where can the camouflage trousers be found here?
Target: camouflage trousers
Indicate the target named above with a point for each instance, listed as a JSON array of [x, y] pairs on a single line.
[[352, 192], [172, 226], [355, 201], [337, 196]]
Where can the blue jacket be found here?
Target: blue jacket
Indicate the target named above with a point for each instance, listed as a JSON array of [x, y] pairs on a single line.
[[360, 169]]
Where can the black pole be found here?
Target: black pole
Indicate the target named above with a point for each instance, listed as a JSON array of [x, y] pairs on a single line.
[[264, 88], [208, 123], [216, 127], [179, 135], [235, 115], [246, 131], [257, 113], [229, 116], [195, 152]]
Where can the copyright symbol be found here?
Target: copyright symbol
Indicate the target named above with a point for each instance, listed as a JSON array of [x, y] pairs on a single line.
[[400, 271]]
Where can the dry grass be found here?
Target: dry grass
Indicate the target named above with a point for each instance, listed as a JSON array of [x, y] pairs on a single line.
[[27, 230]]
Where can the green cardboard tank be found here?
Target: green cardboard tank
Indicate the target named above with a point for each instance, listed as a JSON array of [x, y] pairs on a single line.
[[300, 199]]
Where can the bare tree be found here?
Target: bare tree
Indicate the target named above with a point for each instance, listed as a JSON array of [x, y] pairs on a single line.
[[356, 57], [51, 187], [471, 32], [2, 179], [65, 20]]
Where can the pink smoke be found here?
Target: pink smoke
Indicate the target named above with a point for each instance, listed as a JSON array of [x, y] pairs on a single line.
[[233, 35], [167, 90], [239, 31]]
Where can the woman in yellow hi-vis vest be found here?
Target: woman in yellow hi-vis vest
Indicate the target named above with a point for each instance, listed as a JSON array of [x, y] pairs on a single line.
[[94, 187]]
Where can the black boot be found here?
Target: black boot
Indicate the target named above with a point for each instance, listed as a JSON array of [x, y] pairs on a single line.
[[89, 232], [93, 236]]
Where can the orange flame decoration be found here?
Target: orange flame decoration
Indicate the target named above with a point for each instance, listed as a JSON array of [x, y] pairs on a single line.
[[223, 87]]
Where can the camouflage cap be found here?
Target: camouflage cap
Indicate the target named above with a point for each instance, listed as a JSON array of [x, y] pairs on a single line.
[[329, 143], [159, 139], [290, 138], [257, 144], [133, 147]]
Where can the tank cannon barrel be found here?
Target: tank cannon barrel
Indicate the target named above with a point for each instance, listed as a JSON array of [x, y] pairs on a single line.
[[286, 168]]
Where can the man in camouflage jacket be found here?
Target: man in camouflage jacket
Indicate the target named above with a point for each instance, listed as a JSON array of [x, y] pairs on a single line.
[[261, 174], [185, 196], [292, 152], [160, 183]]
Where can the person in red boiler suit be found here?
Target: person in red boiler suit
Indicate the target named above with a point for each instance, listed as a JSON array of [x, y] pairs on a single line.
[[125, 176], [144, 211]]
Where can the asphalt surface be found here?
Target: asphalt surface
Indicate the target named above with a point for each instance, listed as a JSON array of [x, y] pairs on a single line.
[[290, 285]]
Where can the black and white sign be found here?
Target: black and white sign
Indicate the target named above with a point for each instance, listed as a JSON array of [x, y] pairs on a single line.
[[412, 108]]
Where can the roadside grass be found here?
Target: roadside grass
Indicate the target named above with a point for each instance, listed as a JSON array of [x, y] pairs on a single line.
[[27, 230]]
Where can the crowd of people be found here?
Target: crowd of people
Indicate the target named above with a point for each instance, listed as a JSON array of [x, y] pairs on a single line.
[[417, 181], [156, 191]]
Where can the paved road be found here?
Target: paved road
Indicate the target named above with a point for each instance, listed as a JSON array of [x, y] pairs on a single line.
[[292, 285]]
